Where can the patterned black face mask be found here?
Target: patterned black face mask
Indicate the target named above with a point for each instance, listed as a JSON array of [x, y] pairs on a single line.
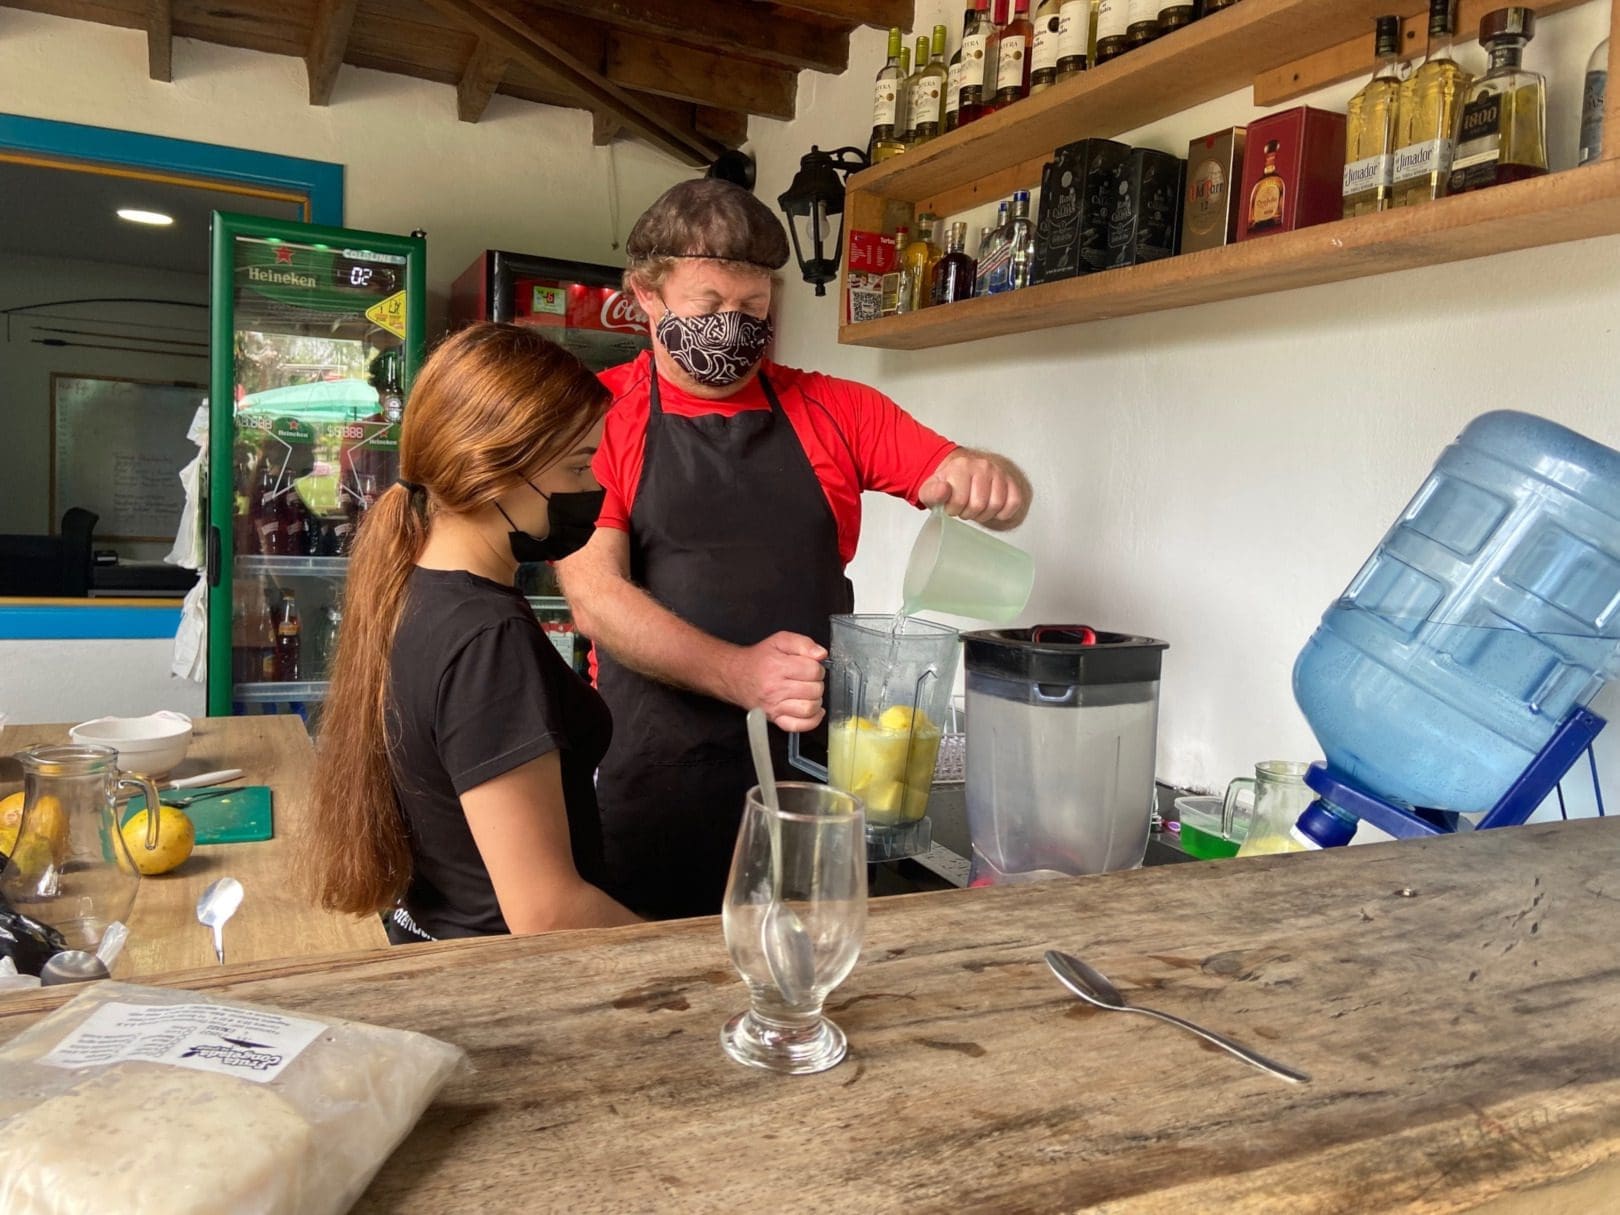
[[718, 349]]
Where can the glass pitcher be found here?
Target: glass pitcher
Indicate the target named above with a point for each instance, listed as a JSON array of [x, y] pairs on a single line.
[[70, 867], [1280, 797], [889, 682]]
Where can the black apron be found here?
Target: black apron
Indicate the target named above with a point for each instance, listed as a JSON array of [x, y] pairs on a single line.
[[732, 532]]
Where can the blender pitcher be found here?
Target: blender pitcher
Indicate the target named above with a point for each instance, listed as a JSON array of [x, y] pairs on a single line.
[[70, 868], [889, 682]]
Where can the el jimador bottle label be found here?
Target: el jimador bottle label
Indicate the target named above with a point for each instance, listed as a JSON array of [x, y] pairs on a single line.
[[1370, 174], [1429, 159]]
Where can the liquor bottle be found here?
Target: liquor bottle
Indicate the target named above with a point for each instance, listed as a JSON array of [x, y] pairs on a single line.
[[1043, 59], [1013, 56], [294, 524], [1173, 14], [1430, 111], [267, 513], [1076, 26], [1503, 134], [929, 97], [287, 638], [914, 79], [261, 632], [1014, 247], [893, 286], [1266, 199], [978, 58], [331, 626], [991, 250], [1369, 152], [954, 275], [885, 104], [1592, 102], [1141, 23], [953, 75], [1113, 24], [1215, 6], [919, 258]]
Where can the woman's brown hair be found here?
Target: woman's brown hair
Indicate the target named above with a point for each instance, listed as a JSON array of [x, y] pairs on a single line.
[[492, 405]]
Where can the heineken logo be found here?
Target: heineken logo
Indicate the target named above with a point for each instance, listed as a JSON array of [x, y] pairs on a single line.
[[280, 278]]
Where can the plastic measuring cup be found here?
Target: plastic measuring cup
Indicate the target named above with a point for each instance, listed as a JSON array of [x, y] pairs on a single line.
[[965, 571]]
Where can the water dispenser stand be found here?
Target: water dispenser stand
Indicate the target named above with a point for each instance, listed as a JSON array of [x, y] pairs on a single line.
[[1534, 785]]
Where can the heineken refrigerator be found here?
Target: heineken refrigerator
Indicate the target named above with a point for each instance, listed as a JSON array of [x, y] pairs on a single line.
[[317, 334]]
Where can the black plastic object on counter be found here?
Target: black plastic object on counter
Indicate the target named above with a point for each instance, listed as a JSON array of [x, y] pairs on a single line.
[[26, 941], [1064, 654]]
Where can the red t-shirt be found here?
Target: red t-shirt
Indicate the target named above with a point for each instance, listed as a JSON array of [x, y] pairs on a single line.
[[857, 438]]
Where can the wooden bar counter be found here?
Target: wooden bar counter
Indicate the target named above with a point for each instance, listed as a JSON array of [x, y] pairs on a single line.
[[275, 921], [1455, 1000]]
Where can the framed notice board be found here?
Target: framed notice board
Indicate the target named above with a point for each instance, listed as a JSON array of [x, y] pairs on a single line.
[[117, 448]]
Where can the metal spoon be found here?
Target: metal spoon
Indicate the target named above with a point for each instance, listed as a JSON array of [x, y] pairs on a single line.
[[217, 905], [72, 966], [789, 955], [1090, 985]]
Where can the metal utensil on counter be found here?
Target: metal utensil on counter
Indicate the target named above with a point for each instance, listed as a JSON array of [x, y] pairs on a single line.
[[789, 954], [1092, 987], [72, 966], [217, 905], [223, 776]]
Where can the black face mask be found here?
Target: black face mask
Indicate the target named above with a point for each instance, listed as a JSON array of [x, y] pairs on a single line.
[[573, 522]]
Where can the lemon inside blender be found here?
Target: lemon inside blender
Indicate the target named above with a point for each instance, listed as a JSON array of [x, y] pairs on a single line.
[[888, 763]]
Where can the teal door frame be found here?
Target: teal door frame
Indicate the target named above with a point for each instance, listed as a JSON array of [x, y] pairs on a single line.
[[183, 160]]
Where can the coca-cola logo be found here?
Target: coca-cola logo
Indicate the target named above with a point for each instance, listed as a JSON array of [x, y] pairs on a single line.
[[620, 311]]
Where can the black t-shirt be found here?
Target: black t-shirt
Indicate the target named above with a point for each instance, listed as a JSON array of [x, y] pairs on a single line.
[[478, 690]]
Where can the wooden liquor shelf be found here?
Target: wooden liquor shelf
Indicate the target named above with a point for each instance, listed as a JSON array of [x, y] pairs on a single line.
[[1284, 48]]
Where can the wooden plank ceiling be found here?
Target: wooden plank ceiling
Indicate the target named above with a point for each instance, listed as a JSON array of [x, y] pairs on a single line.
[[681, 75]]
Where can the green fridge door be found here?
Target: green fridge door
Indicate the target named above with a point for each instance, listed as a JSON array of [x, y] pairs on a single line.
[[317, 336]]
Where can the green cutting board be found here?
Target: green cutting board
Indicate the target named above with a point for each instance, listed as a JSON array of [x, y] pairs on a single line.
[[240, 815]]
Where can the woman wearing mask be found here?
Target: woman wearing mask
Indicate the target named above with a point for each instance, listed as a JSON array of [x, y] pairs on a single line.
[[454, 778]]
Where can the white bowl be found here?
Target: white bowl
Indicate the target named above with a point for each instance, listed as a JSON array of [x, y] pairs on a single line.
[[150, 746]]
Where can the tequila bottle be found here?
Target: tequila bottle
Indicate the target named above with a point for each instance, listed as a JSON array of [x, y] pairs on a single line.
[[1597, 88], [954, 274], [1503, 136], [1430, 113], [885, 141], [1270, 193], [1369, 154], [894, 282], [917, 261]]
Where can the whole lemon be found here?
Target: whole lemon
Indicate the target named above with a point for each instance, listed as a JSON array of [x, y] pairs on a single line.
[[10, 820], [47, 840], [176, 839]]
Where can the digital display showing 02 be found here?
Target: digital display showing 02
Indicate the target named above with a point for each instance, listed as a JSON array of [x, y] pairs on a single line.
[[373, 278]]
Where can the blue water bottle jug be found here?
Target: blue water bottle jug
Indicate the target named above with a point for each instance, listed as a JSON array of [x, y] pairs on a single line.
[[1482, 625]]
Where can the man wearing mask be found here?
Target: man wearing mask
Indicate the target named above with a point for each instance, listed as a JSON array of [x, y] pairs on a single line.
[[732, 508]]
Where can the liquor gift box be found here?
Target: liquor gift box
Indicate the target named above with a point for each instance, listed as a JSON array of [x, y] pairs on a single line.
[[1145, 222], [1293, 172], [871, 256], [1214, 184], [1077, 192]]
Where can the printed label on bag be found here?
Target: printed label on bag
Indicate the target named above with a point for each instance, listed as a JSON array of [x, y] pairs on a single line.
[[242, 1042]]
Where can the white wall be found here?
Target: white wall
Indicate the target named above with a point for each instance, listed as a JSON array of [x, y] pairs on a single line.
[[26, 367], [76, 680], [1214, 476], [524, 178]]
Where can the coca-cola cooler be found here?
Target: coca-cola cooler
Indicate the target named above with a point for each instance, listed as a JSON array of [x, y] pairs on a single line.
[[584, 309], [580, 306]]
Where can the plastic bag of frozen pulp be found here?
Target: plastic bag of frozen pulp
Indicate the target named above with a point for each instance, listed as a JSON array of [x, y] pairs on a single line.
[[149, 1101]]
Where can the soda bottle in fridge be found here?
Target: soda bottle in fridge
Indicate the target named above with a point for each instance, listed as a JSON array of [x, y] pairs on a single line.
[[294, 524], [288, 630], [267, 513], [260, 664]]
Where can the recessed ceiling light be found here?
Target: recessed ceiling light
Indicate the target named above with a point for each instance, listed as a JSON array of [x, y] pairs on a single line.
[[136, 216]]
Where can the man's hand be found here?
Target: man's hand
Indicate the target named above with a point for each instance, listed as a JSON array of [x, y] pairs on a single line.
[[981, 487], [782, 675]]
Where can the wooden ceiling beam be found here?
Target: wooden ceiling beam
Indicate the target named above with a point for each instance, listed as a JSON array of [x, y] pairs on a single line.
[[726, 27], [727, 127], [879, 14], [160, 41], [504, 23], [327, 41], [605, 128], [688, 74], [482, 76]]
